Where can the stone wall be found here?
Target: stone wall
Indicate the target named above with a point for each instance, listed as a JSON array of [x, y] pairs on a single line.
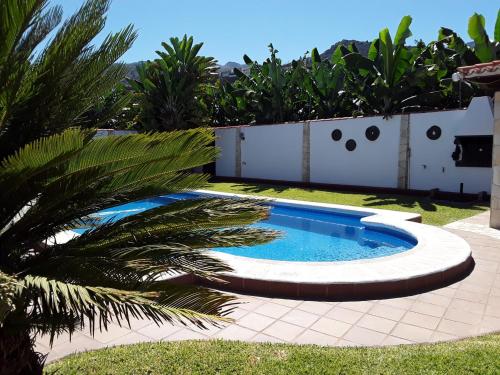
[[495, 187]]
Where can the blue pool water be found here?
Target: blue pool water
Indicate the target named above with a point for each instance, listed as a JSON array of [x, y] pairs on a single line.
[[307, 234]]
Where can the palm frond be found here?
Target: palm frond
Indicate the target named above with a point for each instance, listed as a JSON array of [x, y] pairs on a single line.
[[100, 305]]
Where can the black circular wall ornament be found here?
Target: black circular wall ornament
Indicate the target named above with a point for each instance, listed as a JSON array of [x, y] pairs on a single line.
[[336, 135], [434, 132], [350, 145], [372, 133]]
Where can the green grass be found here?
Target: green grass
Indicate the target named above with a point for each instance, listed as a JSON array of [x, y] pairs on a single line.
[[471, 356], [433, 212]]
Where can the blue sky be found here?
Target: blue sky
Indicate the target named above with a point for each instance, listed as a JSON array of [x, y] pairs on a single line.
[[231, 28]]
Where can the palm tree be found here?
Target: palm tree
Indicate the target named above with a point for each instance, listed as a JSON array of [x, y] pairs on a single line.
[[118, 269], [115, 270], [174, 87], [47, 86]]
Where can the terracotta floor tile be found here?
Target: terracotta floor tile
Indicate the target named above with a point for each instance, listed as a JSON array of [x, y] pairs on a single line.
[[185, 334], [388, 312], [136, 324], [158, 333], [473, 307], [208, 330], [434, 299], [402, 303], [78, 343], [364, 336], [472, 296], [272, 309], [376, 323], [249, 303], [131, 338], [316, 338], [331, 327], [492, 311], [344, 315], [260, 337], [428, 309], [412, 333], [299, 318], [235, 332], [361, 306], [113, 332], [457, 328], [314, 307], [494, 301], [391, 340], [440, 336], [256, 322], [447, 292], [283, 331], [463, 316], [420, 320], [490, 323], [346, 343], [287, 302]]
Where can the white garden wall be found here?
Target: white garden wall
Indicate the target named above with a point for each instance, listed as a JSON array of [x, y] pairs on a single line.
[[371, 163], [431, 165], [272, 152], [291, 152], [226, 142]]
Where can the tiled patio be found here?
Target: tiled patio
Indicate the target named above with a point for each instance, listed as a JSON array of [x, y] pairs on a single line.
[[469, 307]]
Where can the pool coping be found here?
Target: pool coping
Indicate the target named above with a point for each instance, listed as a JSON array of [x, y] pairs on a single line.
[[437, 258]]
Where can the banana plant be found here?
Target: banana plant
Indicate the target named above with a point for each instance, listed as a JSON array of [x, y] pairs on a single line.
[[324, 85], [267, 87], [380, 81], [485, 49]]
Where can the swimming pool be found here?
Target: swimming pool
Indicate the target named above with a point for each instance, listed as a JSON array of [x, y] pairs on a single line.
[[328, 251], [308, 235]]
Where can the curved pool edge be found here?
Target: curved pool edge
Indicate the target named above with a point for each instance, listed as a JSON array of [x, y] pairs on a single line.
[[439, 258]]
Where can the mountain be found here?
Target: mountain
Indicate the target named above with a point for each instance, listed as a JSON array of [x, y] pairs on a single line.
[[226, 70], [362, 47]]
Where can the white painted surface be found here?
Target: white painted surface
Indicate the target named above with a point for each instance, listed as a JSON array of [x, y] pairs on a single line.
[[225, 140], [372, 163], [272, 152], [431, 164]]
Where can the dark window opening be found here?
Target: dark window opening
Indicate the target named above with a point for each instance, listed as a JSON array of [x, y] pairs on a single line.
[[473, 151]]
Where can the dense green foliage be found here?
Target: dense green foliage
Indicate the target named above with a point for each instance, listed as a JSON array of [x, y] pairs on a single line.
[[433, 212], [51, 280], [47, 86], [180, 89], [393, 78], [471, 356], [173, 87]]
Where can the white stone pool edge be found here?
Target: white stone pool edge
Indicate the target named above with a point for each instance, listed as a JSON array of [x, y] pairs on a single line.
[[436, 252]]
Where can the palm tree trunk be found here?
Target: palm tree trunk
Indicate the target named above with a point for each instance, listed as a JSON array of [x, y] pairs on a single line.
[[17, 353]]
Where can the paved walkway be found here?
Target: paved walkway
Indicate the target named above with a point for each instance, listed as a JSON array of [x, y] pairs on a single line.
[[466, 308]]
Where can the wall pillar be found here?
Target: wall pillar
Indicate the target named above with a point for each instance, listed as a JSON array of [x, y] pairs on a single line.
[[306, 152], [495, 188], [237, 165], [404, 152]]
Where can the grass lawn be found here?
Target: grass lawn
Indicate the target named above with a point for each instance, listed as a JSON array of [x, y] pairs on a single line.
[[472, 356], [433, 212]]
